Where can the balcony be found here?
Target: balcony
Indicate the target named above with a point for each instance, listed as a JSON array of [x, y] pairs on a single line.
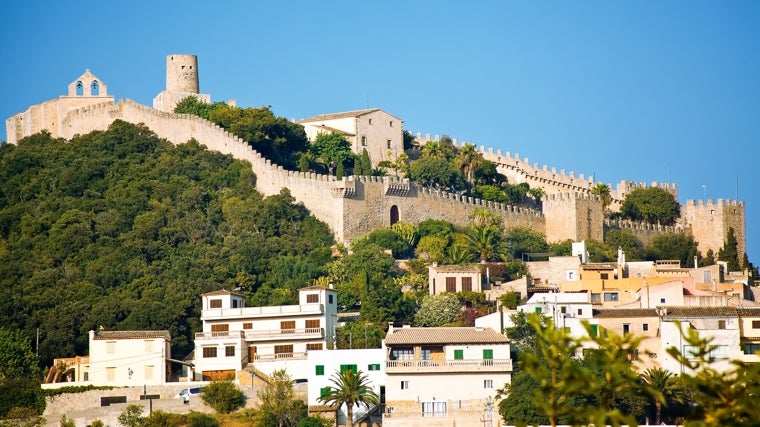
[[260, 312], [299, 355], [266, 335], [431, 366]]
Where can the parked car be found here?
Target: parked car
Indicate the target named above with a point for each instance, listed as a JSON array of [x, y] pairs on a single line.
[[189, 392]]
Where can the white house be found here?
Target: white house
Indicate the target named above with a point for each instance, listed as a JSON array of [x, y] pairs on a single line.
[[372, 129], [129, 358], [271, 337], [453, 278], [443, 376]]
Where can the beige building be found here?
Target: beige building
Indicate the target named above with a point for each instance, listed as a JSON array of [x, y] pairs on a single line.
[[129, 358], [235, 336], [454, 278], [380, 133], [443, 376], [85, 91]]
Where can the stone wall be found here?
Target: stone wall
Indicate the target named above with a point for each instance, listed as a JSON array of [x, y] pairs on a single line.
[[709, 223], [642, 231]]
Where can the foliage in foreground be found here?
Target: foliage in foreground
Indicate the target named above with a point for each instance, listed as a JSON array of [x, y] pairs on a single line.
[[224, 396]]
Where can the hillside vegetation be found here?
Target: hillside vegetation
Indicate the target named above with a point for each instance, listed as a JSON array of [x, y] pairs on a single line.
[[123, 230]]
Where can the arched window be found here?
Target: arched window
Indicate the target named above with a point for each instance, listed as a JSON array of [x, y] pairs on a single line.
[[80, 88], [94, 88], [394, 214]]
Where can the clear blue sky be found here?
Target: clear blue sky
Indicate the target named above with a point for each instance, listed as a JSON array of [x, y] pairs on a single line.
[[644, 91]]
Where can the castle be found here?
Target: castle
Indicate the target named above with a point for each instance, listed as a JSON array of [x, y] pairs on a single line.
[[356, 205]]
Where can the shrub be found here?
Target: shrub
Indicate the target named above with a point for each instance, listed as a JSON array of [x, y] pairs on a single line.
[[224, 396], [199, 419]]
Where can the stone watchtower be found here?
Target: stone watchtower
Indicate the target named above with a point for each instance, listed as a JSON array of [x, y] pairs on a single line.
[[181, 81]]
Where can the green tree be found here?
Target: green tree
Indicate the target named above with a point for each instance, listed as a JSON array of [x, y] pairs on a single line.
[[366, 163], [435, 172], [605, 194], [432, 248], [435, 227], [510, 300], [352, 389], [485, 243], [729, 251], [201, 419], [625, 240], [131, 416], [17, 359], [678, 246], [468, 160], [409, 140], [438, 310], [652, 204], [332, 149], [223, 396], [664, 381], [522, 240], [278, 401]]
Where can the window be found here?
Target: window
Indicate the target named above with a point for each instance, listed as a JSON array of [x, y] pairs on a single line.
[[148, 346], [364, 140], [288, 326], [487, 383], [209, 352], [604, 276], [312, 298], [458, 354], [86, 376], [402, 354], [487, 354], [235, 303], [80, 89], [404, 385], [707, 276], [391, 123], [596, 298], [721, 324], [611, 296], [451, 284], [110, 373], [466, 284], [626, 328], [148, 372], [434, 409], [247, 325], [538, 309], [594, 330], [425, 354], [324, 391], [751, 348], [352, 368], [662, 300], [330, 299], [229, 351], [756, 324], [580, 312], [389, 144], [319, 370], [110, 347], [215, 303], [284, 350], [312, 323], [645, 327], [373, 367], [221, 327], [370, 121], [314, 346], [563, 309]]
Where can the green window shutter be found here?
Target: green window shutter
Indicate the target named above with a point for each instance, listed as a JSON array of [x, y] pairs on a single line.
[[595, 330], [373, 367], [487, 354], [538, 309], [323, 391], [344, 368], [458, 354], [320, 369]]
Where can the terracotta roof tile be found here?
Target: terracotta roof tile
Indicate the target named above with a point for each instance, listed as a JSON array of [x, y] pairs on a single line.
[[603, 313], [701, 312], [125, 335], [445, 335], [221, 292], [455, 268], [355, 113]]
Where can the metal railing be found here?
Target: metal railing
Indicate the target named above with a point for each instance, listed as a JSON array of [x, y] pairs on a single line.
[[266, 334]]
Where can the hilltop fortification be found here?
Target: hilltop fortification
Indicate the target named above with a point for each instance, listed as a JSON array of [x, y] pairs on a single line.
[[354, 206]]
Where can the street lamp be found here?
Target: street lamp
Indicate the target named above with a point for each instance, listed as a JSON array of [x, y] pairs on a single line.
[[487, 418]]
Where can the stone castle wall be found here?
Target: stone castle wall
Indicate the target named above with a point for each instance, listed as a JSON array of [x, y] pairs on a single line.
[[573, 216], [709, 222], [642, 231]]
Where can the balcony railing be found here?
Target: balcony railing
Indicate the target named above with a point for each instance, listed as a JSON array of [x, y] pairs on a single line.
[[273, 334], [496, 365], [279, 356], [268, 311]]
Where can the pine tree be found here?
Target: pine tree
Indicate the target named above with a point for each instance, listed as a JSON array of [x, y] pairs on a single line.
[[366, 163], [729, 252], [358, 171], [341, 171]]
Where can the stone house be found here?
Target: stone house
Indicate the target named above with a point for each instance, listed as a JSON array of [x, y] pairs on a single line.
[[443, 376], [235, 336], [454, 278], [375, 130]]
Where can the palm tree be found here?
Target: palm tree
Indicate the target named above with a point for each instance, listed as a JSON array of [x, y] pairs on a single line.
[[469, 160], [604, 192], [664, 381], [485, 242], [351, 388]]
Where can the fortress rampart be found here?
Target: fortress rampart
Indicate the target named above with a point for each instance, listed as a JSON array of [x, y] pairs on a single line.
[[355, 206]]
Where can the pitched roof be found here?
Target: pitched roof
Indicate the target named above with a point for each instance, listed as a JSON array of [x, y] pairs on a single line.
[[455, 268], [331, 116], [126, 335], [221, 292], [701, 312], [445, 335], [624, 312], [315, 288]]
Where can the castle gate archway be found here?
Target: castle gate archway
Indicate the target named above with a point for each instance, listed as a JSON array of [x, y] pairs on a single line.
[[394, 214]]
